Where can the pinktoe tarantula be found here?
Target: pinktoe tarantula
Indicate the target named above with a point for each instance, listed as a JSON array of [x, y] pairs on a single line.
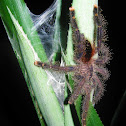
[[89, 71]]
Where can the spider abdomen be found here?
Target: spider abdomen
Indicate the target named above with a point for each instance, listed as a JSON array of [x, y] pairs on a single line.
[[88, 52]]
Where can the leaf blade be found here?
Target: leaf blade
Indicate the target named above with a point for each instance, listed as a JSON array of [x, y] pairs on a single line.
[[19, 31]]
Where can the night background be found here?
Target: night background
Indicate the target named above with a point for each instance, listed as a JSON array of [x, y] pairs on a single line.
[[16, 107]]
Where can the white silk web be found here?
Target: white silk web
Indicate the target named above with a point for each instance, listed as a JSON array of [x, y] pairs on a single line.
[[45, 26]]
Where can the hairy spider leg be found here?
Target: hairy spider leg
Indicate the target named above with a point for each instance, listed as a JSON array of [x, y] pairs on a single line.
[[55, 67], [83, 48], [99, 90], [77, 91], [77, 37], [99, 27], [75, 29], [85, 105]]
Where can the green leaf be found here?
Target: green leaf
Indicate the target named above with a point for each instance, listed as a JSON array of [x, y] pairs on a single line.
[[28, 48], [92, 117]]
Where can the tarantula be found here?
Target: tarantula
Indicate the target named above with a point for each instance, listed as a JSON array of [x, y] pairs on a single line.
[[89, 71]]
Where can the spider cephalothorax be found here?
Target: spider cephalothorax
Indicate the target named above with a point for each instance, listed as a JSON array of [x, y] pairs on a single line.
[[89, 71]]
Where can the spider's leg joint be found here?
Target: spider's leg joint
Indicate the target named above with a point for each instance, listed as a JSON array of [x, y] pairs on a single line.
[[71, 8], [73, 17], [69, 102], [39, 64], [95, 6]]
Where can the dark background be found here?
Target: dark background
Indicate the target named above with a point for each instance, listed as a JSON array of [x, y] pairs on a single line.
[[16, 107]]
